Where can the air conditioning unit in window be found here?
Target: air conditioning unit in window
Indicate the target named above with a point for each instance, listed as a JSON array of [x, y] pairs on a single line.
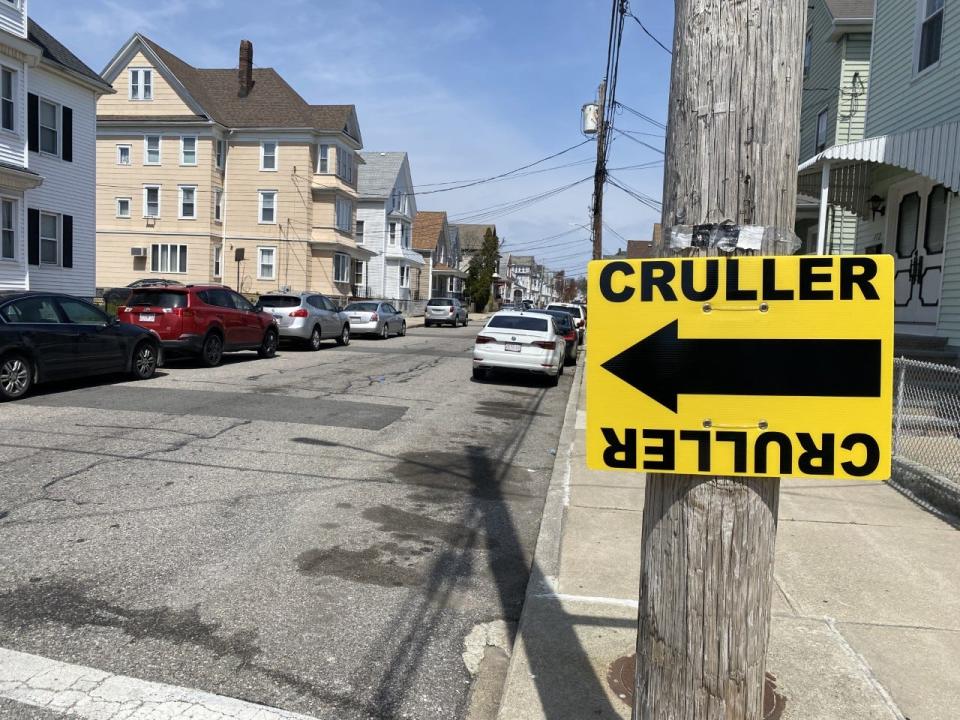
[[138, 251]]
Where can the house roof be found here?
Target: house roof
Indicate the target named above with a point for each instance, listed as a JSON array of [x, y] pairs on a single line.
[[271, 102], [152, 118], [378, 176], [58, 54], [523, 260], [428, 229], [471, 236], [850, 9]]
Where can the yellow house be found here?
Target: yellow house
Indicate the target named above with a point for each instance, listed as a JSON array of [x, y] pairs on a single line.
[[224, 176]]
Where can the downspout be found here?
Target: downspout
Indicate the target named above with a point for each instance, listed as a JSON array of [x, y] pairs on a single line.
[[824, 201], [223, 218], [383, 254]]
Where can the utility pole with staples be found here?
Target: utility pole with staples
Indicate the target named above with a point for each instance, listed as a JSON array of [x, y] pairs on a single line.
[[708, 542], [600, 174]]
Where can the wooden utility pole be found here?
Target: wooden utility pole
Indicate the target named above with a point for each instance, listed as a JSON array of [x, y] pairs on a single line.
[[708, 543], [600, 174]]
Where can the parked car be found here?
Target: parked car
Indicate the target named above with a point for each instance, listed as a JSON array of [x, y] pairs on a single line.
[[520, 341], [445, 311], [46, 336], [566, 327], [375, 317], [116, 297], [579, 313], [307, 317], [202, 320]]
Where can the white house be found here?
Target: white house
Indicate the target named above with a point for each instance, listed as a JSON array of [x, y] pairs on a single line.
[[48, 101], [386, 211]]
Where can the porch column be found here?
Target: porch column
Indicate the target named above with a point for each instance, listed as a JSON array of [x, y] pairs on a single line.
[[824, 203]]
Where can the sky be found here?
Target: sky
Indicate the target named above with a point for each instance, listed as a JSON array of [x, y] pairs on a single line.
[[470, 89]]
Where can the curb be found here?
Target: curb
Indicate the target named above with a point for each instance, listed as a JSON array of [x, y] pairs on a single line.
[[545, 573]]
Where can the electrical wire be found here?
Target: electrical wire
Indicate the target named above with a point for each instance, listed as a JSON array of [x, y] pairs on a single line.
[[638, 141], [642, 116], [650, 34]]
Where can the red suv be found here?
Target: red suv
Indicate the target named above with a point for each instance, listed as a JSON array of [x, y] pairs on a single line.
[[202, 320]]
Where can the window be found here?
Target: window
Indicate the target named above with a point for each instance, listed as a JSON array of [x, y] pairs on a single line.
[[344, 212], [931, 33], [341, 268], [358, 235], [323, 164], [188, 202], [8, 99], [141, 84], [188, 151], [908, 225], [266, 263], [404, 276], [221, 153], [49, 128], [81, 313], [451, 285], [268, 207], [345, 164], [240, 302], [151, 201], [359, 273], [123, 207], [31, 310], [268, 155], [822, 130], [124, 155], [151, 150], [8, 230], [393, 234], [808, 54], [218, 261], [168, 258], [49, 239], [936, 231], [217, 205]]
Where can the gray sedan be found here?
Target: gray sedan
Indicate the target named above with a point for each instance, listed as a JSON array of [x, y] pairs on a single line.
[[307, 317], [375, 317]]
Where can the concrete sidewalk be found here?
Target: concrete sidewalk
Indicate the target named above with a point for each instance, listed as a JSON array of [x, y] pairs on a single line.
[[866, 617]]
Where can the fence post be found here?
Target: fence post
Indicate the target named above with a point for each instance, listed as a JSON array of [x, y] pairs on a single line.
[[898, 407]]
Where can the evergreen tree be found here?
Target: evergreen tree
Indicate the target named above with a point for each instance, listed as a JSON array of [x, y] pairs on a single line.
[[481, 269]]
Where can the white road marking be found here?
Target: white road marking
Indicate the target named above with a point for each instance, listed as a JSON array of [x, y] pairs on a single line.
[[82, 692]]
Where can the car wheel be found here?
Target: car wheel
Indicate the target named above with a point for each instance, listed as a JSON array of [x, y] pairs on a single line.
[[268, 348], [562, 365], [479, 374], [427, 324], [212, 352], [16, 377], [316, 339], [403, 328], [553, 380], [145, 360], [344, 338], [466, 321], [385, 332]]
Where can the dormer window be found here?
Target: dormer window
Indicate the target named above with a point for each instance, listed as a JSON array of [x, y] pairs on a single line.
[[141, 84]]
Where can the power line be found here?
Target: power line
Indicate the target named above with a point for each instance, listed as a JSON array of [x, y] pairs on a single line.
[[638, 141], [646, 200], [642, 116], [650, 34], [511, 207]]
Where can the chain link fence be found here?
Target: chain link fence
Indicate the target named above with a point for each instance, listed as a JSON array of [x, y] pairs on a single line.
[[926, 431]]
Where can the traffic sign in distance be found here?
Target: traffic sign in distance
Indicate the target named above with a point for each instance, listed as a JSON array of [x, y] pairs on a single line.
[[749, 366]]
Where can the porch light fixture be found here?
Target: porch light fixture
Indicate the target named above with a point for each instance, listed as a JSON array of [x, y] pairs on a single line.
[[877, 205]]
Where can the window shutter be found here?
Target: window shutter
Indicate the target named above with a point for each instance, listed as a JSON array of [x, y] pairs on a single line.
[[33, 236], [67, 241], [67, 145], [33, 122]]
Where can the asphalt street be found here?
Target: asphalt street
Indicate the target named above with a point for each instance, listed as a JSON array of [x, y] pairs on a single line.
[[318, 533]]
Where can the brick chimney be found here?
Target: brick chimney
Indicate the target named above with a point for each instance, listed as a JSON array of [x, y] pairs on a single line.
[[246, 67]]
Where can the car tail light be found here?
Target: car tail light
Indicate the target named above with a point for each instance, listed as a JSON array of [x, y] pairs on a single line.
[[183, 312], [451, 310], [570, 336], [484, 340], [546, 344], [374, 317], [302, 312]]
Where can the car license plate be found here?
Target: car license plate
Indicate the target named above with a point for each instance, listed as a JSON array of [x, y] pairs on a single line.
[[277, 316], [150, 317], [512, 347], [355, 317]]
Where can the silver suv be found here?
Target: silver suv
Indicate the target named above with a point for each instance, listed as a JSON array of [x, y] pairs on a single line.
[[445, 311], [307, 317]]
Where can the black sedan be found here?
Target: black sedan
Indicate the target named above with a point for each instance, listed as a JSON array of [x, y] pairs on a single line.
[[46, 336], [569, 331]]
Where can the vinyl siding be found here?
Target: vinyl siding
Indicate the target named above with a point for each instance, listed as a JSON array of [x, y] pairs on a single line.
[[13, 145], [900, 99], [374, 220], [820, 85], [165, 101], [949, 324], [854, 85], [68, 187], [14, 19]]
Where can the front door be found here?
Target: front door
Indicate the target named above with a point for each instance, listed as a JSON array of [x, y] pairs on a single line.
[[918, 227]]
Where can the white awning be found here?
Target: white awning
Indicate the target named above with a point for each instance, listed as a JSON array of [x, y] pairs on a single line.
[[933, 152]]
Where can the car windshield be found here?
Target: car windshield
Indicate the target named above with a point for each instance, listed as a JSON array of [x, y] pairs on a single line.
[[519, 322], [157, 298], [279, 301], [361, 307], [440, 303]]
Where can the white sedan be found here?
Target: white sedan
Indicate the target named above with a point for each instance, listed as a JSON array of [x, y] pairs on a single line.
[[520, 342]]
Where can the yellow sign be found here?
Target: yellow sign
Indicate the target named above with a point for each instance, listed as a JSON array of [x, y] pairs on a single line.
[[745, 366]]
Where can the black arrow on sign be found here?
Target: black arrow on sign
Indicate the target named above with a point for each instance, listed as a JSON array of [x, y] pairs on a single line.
[[663, 367]]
